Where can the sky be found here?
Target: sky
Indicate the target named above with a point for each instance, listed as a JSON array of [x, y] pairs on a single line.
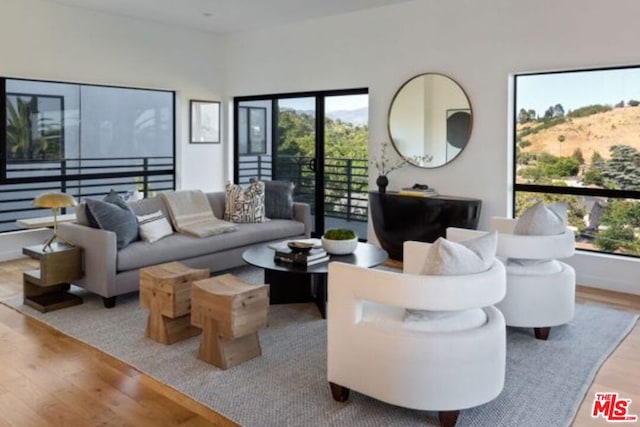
[[577, 89], [332, 103]]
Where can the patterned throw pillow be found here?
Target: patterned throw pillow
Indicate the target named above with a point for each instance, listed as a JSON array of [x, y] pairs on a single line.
[[245, 205]]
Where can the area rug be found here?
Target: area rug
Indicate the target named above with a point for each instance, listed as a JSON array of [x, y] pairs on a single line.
[[286, 386]]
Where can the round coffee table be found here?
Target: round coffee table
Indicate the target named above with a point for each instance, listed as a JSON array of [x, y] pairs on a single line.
[[292, 283]]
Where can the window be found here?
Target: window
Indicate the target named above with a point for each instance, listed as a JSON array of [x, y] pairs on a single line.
[[577, 140], [81, 139], [34, 127], [252, 130], [317, 140]]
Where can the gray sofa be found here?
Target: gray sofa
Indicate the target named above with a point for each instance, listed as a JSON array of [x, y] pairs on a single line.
[[109, 272]]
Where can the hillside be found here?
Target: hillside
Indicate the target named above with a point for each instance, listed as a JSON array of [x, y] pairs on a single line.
[[596, 132]]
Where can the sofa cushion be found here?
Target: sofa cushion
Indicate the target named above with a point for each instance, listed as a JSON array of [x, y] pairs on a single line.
[[114, 217], [180, 246], [245, 205], [278, 199]]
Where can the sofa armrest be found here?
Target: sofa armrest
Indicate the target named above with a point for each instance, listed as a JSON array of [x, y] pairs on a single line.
[[302, 213], [99, 257]]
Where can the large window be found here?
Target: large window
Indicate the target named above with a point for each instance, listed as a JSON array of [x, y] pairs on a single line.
[[577, 140], [81, 139]]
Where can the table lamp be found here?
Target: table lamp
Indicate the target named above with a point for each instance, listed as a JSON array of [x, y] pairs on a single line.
[[54, 201]]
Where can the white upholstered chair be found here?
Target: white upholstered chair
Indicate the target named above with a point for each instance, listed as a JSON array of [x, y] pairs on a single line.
[[441, 365], [540, 289]]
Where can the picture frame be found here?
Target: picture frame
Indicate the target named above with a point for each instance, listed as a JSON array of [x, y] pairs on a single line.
[[204, 122]]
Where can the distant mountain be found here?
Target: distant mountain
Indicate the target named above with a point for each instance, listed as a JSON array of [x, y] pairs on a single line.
[[355, 117], [596, 132]]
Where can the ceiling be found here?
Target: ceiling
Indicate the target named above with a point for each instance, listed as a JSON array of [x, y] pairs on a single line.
[[227, 16]]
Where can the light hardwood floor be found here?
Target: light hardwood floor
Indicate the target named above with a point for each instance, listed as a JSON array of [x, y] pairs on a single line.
[[49, 379]]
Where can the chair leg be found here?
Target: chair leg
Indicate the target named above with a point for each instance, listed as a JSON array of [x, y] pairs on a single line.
[[542, 333], [109, 302], [339, 393], [448, 418]]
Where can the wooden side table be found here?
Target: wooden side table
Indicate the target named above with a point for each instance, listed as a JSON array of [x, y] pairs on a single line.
[[230, 313], [46, 289], [165, 290]]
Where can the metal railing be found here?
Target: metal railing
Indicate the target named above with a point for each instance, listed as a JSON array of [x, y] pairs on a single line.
[[81, 178], [345, 181]]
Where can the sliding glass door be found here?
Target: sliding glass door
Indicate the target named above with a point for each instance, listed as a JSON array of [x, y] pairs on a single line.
[[316, 140]]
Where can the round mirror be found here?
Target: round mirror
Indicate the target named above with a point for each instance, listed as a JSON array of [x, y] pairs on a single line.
[[430, 120]]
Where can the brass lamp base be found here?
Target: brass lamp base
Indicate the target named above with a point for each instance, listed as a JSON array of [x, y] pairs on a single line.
[[47, 243]]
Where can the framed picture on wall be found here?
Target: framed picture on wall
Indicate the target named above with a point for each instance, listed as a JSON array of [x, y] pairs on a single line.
[[204, 124]]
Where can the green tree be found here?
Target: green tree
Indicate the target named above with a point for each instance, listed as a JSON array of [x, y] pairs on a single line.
[[577, 154], [623, 168], [523, 116], [620, 219], [614, 238], [28, 138], [558, 110]]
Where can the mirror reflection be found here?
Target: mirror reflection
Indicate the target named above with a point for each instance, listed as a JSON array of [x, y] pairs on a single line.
[[430, 120]]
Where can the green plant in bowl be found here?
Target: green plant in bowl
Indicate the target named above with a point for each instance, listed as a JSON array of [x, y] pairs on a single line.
[[339, 241], [339, 234]]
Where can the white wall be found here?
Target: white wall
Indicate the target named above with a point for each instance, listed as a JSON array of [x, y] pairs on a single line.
[[45, 40], [478, 44]]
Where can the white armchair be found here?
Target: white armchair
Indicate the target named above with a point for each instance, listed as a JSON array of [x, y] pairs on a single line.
[[444, 364], [540, 289]]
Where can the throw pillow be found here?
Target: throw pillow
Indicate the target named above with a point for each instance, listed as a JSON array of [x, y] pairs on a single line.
[[541, 220], [153, 227], [468, 257], [112, 197], [278, 199], [245, 205], [446, 258], [113, 217]]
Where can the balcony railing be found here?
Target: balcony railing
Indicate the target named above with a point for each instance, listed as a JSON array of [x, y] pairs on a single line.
[[81, 178], [345, 181]]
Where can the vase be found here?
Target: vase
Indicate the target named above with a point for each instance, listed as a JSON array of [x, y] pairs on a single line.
[[382, 183]]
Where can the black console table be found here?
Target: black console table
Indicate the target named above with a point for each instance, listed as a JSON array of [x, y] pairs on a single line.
[[398, 218]]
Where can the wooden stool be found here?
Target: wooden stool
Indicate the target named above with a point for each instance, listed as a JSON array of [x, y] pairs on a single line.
[[230, 312], [165, 290]]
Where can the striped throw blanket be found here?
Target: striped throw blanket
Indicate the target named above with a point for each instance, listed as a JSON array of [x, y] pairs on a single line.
[[191, 213]]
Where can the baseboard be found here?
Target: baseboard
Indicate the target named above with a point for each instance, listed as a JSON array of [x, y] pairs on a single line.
[[603, 271]]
